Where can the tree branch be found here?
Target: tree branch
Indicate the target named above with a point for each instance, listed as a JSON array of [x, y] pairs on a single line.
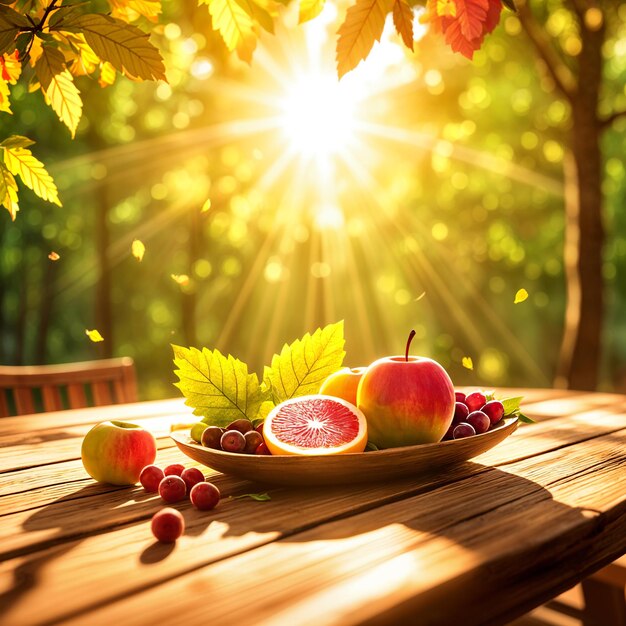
[[562, 76], [607, 122]]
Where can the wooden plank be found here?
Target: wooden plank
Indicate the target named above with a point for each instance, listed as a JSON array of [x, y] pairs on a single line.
[[76, 395], [92, 415], [4, 404], [464, 539], [101, 393], [51, 398], [23, 400]]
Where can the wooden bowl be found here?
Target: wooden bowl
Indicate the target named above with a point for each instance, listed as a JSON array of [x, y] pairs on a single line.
[[373, 466]]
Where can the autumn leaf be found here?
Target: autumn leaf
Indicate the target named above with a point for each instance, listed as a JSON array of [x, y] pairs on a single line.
[[50, 64], [64, 98], [301, 367], [206, 206], [403, 21], [138, 249], [471, 15], [5, 102], [259, 14], [235, 26], [107, 75], [123, 45], [11, 67], [217, 387], [446, 8], [520, 296], [181, 279], [467, 363], [309, 9], [54, 256], [21, 162], [10, 24], [8, 191], [94, 335], [132, 9], [362, 27]]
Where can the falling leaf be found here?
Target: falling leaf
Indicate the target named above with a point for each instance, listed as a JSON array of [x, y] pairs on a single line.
[[181, 279], [94, 335], [420, 297], [138, 249], [206, 206], [259, 497], [53, 256], [403, 21], [467, 362], [520, 296]]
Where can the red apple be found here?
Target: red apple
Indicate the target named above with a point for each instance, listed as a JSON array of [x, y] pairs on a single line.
[[407, 400], [343, 383], [116, 452]]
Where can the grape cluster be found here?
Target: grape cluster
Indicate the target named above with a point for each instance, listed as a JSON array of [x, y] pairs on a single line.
[[473, 415], [173, 484], [239, 436]]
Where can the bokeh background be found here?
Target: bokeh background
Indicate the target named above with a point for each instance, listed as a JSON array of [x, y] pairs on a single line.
[[420, 192]]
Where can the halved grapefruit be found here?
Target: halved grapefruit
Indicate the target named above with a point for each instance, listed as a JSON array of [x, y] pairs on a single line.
[[315, 425]]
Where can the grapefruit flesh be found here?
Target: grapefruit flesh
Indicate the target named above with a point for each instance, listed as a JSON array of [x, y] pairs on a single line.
[[315, 425]]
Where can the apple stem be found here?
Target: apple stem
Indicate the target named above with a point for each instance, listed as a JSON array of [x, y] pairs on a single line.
[[408, 343]]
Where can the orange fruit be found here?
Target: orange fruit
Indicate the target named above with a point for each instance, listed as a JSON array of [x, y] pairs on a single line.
[[315, 425]]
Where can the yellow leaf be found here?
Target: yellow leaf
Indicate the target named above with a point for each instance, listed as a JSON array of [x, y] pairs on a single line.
[[446, 8], [309, 9], [35, 51], [138, 249], [5, 103], [123, 45], [467, 362], [234, 25], [181, 279], [94, 335], [12, 67], [206, 206], [20, 162], [362, 27], [64, 98], [107, 75], [87, 60], [403, 21], [520, 296], [8, 191], [50, 64], [132, 9], [53, 256]]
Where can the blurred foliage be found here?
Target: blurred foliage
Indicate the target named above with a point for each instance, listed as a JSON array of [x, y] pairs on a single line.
[[455, 192]]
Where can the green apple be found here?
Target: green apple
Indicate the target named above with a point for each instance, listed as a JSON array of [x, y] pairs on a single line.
[[115, 452]]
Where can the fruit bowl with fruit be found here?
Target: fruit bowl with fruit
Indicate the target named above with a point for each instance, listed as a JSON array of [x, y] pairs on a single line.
[[398, 417]]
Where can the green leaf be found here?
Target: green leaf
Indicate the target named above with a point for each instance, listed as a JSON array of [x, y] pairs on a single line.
[[9, 15], [51, 63], [259, 497], [123, 45], [8, 33], [16, 141], [264, 411], [301, 368], [525, 419], [511, 405], [218, 388], [21, 162]]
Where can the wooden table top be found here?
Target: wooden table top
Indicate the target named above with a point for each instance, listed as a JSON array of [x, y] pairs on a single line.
[[481, 544]]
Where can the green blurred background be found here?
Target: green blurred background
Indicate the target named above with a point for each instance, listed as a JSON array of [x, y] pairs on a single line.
[[445, 199]]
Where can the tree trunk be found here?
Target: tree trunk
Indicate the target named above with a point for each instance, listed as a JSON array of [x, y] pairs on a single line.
[[103, 314], [581, 348]]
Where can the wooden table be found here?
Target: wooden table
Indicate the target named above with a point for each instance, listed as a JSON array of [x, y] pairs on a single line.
[[481, 544]]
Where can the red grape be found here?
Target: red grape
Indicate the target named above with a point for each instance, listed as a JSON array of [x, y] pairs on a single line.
[[233, 441], [449, 432], [460, 396], [262, 449], [242, 425], [463, 430], [475, 401], [176, 469], [192, 476], [150, 477], [460, 413], [167, 525], [172, 489], [211, 437], [204, 496], [253, 441], [495, 411], [479, 420], [259, 428]]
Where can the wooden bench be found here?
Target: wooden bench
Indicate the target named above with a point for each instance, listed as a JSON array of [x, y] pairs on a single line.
[[34, 388]]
